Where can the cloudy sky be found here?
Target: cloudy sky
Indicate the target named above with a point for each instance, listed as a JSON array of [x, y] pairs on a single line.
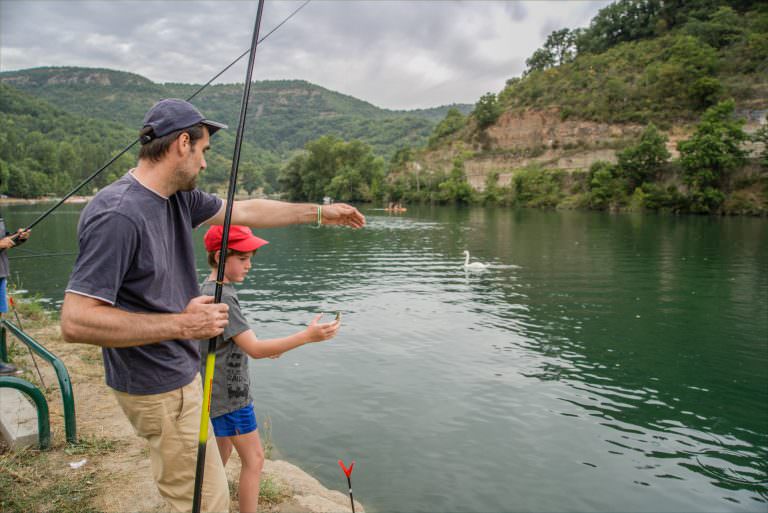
[[398, 55]]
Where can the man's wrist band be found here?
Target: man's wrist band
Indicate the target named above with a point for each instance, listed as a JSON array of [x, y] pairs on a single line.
[[319, 215]]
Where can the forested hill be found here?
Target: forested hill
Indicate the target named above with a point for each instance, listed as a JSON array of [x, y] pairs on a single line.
[[289, 112], [657, 104], [282, 117]]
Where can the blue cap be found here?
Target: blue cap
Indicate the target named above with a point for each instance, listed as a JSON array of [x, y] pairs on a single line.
[[172, 114]]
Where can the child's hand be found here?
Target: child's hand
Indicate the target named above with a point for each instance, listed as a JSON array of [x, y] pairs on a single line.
[[317, 332]]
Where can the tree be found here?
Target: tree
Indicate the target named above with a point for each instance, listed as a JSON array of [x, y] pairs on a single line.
[[559, 48], [251, 177], [625, 20], [453, 122], [456, 188], [487, 110], [539, 61], [714, 150], [639, 163], [348, 171]]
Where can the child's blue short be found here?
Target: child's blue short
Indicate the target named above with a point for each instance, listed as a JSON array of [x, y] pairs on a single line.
[[238, 422], [3, 296]]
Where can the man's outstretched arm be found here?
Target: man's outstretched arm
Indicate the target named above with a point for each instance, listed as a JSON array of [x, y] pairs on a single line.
[[263, 213], [91, 321]]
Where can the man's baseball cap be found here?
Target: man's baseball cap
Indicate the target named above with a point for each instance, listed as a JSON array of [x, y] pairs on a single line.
[[240, 239], [172, 114]]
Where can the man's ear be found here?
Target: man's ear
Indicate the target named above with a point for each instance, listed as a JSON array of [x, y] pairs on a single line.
[[217, 256], [183, 144]]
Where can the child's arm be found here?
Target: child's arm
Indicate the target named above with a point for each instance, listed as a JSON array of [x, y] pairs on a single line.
[[315, 332]]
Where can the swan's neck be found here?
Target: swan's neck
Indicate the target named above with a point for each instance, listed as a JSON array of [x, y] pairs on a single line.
[[466, 258]]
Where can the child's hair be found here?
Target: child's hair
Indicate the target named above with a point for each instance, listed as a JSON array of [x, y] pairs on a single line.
[[212, 256]]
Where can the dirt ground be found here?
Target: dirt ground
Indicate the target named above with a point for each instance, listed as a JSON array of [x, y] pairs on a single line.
[[116, 476]]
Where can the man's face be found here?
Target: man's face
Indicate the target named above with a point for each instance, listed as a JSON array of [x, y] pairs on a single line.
[[194, 162]]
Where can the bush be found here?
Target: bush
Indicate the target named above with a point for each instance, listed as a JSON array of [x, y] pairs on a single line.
[[487, 110], [536, 187], [605, 186], [712, 152], [641, 162]]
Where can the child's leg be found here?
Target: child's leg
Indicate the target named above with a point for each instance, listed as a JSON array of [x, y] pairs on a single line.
[[252, 456], [225, 448]]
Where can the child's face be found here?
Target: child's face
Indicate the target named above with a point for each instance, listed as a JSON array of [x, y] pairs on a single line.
[[237, 266]]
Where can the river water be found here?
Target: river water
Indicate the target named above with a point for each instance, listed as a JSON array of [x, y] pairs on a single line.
[[601, 363]]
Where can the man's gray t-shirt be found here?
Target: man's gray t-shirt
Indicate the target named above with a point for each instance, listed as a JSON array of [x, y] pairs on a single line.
[[136, 253], [231, 384]]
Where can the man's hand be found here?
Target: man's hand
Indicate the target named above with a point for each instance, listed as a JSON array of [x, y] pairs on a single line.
[[342, 214], [202, 318]]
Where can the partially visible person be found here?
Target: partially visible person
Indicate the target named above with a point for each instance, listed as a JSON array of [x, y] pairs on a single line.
[[134, 292], [232, 412], [6, 243]]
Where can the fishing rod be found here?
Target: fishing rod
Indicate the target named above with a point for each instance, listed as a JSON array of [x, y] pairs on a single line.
[[211, 357], [131, 145]]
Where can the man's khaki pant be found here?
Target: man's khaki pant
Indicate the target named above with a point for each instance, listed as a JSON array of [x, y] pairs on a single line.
[[171, 424]]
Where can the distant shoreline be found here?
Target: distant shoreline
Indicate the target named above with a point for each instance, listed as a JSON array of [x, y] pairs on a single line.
[[32, 201]]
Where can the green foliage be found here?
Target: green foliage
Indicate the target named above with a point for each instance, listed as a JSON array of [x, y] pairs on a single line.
[[250, 177], [401, 157], [684, 74], [657, 197], [559, 48], [487, 110], [536, 187], [53, 116], [641, 162], [606, 188], [345, 171], [456, 188], [651, 61], [710, 154], [452, 123], [625, 20], [44, 150]]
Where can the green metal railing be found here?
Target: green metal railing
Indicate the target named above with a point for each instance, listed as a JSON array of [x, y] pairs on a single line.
[[65, 385], [43, 422]]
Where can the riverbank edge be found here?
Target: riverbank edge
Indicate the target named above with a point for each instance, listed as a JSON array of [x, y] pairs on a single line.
[[117, 471]]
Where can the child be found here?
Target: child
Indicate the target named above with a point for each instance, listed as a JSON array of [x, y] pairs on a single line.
[[232, 415]]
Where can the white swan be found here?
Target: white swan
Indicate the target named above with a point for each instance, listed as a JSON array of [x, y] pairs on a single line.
[[474, 266]]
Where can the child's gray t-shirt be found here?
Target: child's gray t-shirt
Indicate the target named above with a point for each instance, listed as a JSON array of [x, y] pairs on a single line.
[[231, 384]]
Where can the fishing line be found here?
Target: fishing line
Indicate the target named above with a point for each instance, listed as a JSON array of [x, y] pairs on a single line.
[[32, 254], [21, 327], [127, 148], [211, 357]]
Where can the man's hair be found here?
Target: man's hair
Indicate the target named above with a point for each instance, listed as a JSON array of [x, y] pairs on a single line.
[[156, 149], [212, 256]]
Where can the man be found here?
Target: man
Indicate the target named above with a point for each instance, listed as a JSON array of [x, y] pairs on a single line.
[[134, 291], [6, 243]]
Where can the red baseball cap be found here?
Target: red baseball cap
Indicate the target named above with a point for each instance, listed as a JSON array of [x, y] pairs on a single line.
[[240, 239]]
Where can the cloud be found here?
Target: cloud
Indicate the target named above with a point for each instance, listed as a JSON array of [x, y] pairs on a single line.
[[396, 54]]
